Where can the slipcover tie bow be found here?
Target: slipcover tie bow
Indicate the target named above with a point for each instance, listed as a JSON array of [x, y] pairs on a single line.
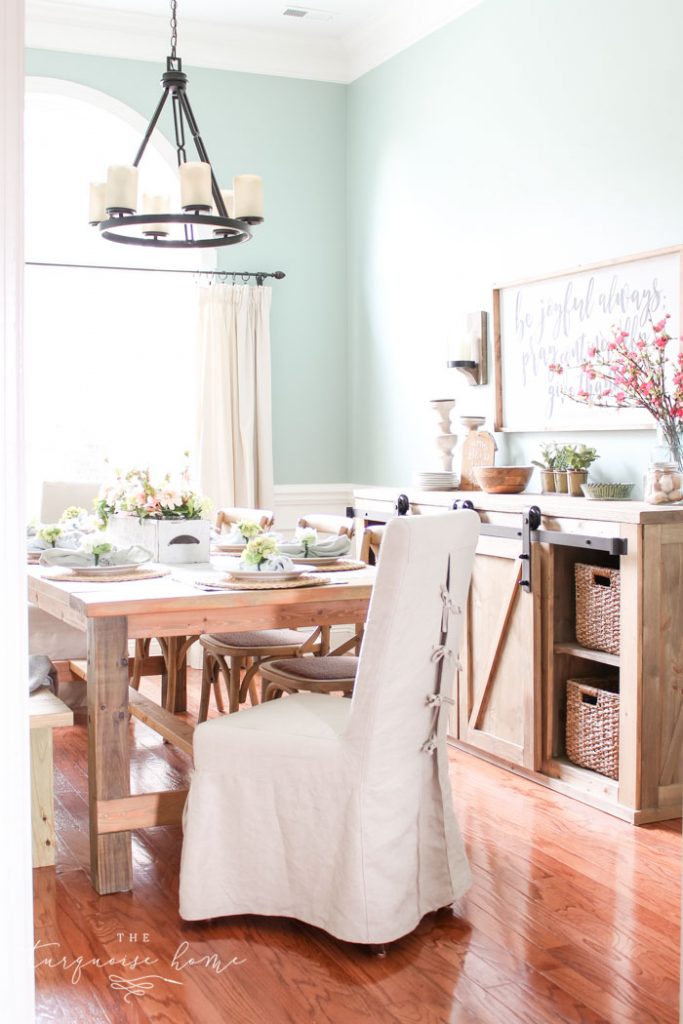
[[448, 601], [430, 746], [440, 651], [436, 700]]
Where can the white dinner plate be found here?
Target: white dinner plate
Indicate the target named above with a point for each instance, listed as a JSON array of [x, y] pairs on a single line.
[[102, 570], [324, 560], [267, 577], [228, 549]]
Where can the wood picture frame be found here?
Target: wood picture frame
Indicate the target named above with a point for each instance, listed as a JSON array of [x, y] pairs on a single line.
[[556, 318]]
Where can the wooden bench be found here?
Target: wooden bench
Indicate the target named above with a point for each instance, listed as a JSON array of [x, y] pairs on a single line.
[[47, 712]]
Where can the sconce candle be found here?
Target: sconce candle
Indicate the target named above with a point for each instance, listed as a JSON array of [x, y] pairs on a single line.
[[195, 185]]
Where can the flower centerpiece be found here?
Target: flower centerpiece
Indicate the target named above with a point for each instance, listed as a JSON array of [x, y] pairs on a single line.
[[165, 516], [248, 528], [96, 544], [307, 537], [50, 534], [260, 550], [644, 374]]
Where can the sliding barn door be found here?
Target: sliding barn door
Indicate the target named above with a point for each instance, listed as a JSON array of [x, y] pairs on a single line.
[[499, 679]]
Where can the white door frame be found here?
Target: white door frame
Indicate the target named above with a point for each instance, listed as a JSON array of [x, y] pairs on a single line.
[[16, 937]]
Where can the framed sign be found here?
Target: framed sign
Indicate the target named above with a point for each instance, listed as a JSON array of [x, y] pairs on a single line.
[[556, 319]]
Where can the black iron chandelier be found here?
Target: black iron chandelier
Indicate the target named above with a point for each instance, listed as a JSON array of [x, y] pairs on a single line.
[[210, 216]]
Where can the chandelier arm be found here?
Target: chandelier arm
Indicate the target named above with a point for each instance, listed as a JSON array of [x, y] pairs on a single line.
[[201, 151], [150, 127], [179, 127]]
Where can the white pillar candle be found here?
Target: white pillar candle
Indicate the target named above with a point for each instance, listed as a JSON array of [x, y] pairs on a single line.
[[248, 195], [122, 187], [98, 209], [229, 200], [155, 204], [463, 350], [195, 185]]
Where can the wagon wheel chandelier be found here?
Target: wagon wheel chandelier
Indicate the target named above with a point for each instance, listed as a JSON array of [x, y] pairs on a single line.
[[210, 216]]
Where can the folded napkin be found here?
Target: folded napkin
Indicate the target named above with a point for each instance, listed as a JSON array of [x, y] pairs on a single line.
[[276, 563], [324, 547], [41, 672], [123, 556], [69, 539]]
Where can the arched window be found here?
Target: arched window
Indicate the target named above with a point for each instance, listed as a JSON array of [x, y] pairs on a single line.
[[110, 354]]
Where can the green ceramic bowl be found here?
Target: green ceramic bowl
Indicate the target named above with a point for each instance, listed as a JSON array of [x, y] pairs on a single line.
[[607, 492]]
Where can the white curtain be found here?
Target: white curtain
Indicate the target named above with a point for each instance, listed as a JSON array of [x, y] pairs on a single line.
[[235, 442]]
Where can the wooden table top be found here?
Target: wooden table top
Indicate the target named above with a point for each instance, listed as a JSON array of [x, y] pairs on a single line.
[[173, 605]]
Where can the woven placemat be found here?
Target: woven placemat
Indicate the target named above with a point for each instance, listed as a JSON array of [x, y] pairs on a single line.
[[127, 577], [341, 565], [308, 580]]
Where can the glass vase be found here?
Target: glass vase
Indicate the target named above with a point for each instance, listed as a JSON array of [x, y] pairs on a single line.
[[664, 479]]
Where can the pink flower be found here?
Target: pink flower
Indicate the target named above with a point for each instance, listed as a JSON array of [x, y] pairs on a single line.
[[660, 326], [662, 342], [592, 352], [581, 393], [620, 396], [641, 344]]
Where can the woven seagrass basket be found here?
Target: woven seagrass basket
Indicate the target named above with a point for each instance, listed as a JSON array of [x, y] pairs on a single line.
[[592, 739], [598, 594]]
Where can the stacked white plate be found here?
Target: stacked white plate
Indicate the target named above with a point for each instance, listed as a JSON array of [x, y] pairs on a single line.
[[436, 481]]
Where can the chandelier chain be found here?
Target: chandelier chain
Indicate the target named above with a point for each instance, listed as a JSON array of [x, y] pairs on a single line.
[[174, 28]]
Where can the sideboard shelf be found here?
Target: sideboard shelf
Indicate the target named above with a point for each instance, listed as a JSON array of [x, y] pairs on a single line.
[[519, 648], [587, 654]]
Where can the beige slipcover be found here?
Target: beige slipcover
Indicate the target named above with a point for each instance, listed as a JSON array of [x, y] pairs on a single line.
[[339, 812]]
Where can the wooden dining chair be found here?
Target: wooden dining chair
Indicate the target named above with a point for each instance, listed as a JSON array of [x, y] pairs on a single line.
[[331, 673], [226, 655], [227, 517]]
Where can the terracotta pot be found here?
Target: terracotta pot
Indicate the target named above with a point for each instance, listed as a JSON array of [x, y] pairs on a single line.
[[560, 481], [576, 477], [547, 481]]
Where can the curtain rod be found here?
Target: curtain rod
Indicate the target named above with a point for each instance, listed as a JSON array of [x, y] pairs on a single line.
[[260, 275]]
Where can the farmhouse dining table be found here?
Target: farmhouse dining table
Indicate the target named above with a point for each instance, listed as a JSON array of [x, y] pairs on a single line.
[[114, 613]]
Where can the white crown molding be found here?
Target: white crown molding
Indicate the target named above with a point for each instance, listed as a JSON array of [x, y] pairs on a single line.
[[376, 41], [53, 25]]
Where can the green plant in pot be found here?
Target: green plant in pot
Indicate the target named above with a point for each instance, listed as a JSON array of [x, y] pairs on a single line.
[[560, 467], [579, 459], [547, 467]]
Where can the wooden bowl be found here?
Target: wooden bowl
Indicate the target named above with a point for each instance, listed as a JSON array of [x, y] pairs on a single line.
[[503, 479]]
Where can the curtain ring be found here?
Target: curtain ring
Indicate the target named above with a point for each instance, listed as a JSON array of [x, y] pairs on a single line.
[[245, 278]]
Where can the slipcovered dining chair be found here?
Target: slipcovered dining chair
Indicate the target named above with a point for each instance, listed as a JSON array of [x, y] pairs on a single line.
[[341, 812], [228, 655], [331, 673]]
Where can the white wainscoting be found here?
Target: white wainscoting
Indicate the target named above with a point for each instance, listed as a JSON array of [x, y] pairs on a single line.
[[290, 502]]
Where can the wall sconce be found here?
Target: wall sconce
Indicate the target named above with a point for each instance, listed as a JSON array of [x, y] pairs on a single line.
[[471, 350]]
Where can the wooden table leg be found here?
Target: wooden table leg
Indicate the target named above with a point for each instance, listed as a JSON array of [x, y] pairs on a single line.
[[108, 754], [175, 648]]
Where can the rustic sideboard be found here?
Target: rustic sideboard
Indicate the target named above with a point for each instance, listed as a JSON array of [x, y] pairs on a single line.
[[519, 642]]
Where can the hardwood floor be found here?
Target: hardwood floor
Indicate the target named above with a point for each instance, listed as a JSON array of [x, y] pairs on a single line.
[[573, 916]]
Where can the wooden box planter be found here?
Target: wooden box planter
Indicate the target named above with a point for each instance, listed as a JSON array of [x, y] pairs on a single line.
[[172, 541]]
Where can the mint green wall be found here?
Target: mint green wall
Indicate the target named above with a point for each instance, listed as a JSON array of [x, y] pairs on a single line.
[[293, 133], [523, 137]]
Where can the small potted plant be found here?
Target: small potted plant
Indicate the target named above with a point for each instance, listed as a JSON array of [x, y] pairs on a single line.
[[547, 466], [560, 468], [579, 459]]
